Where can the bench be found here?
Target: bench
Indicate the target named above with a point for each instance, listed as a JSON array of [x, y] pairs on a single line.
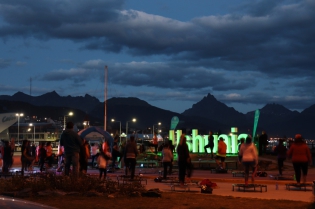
[[127, 179], [249, 187], [283, 177], [295, 186]]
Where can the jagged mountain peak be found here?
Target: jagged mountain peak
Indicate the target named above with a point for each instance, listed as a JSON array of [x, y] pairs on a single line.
[[20, 94], [309, 111], [210, 107], [211, 104], [52, 94], [208, 99], [132, 101], [276, 109]]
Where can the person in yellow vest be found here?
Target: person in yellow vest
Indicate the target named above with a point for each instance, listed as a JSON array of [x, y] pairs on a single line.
[[221, 154]]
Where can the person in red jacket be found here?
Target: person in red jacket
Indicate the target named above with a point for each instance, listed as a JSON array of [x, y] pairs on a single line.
[[301, 157], [221, 154]]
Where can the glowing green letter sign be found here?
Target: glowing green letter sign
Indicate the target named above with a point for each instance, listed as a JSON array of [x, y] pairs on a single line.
[[197, 142]]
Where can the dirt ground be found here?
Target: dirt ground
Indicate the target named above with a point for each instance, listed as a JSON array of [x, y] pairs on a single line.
[[168, 201]]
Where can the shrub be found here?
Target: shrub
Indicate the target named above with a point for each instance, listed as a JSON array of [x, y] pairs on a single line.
[[82, 184]]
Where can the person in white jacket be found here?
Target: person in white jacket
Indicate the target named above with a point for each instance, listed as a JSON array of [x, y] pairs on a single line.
[[249, 154], [167, 159]]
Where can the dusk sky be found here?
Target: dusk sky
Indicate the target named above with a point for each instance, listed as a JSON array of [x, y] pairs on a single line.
[[247, 53]]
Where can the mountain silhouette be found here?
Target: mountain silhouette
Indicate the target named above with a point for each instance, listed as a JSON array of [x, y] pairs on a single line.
[[207, 114], [210, 107]]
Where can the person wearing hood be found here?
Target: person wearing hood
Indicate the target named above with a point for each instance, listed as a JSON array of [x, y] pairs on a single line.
[[249, 154], [72, 143]]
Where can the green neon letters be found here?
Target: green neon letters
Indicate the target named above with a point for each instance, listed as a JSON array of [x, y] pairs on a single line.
[[197, 142]]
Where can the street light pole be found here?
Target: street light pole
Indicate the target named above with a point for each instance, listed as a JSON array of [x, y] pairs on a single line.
[[133, 120], [31, 124], [113, 120], [64, 119], [153, 128], [19, 115]]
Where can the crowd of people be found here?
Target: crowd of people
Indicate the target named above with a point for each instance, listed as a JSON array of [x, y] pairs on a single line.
[[75, 151]]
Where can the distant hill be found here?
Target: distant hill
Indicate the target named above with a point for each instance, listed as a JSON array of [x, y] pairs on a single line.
[[207, 114], [86, 103], [55, 113]]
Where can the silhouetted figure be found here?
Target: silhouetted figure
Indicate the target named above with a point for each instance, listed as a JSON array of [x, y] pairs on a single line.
[[210, 144], [263, 142]]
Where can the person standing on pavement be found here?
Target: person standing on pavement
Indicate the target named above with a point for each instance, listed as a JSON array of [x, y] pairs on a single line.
[[49, 156], [102, 164], [281, 152], [155, 143], [84, 156], [301, 158], [167, 159], [25, 156], [115, 153], [263, 142], [183, 159], [33, 149], [60, 155], [210, 144], [71, 142], [94, 150], [6, 156], [130, 155], [249, 154], [221, 154], [239, 148], [41, 156]]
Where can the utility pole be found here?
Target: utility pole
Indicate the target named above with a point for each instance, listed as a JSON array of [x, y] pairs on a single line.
[[105, 97]]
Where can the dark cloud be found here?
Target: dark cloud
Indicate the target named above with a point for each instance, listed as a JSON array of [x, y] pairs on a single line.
[[170, 75], [274, 37], [258, 8], [4, 63], [254, 44], [76, 75]]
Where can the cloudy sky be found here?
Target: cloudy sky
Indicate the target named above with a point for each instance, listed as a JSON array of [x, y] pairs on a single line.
[[247, 53]]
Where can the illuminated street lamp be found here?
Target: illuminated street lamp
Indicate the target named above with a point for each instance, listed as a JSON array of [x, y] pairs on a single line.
[[153, 128], [31, 124], [19, 115], [113, 120], [133, 120], [64, 119]]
